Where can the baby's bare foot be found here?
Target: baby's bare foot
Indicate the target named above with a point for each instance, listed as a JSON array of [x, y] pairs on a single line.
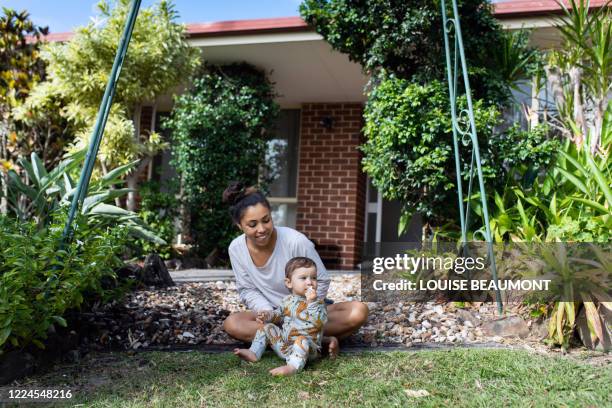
[[283, 370], [245, 354]]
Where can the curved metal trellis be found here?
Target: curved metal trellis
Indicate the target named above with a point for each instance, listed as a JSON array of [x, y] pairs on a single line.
[[464, 125]]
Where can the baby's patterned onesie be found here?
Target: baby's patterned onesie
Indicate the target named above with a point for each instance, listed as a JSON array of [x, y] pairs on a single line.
[[301, 335]]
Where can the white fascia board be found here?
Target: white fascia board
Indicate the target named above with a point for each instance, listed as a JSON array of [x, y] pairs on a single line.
[[254, 39], [528, 22]]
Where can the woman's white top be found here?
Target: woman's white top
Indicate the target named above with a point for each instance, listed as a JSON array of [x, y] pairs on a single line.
[[263, 288]]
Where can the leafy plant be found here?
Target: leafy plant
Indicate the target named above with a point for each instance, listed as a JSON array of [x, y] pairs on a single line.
[[39, 281], [218, 134], [580, 72], [583, 273], [38, 193], [20, 69], [572, 201], [158, 59], [159, 210], [409, 149]]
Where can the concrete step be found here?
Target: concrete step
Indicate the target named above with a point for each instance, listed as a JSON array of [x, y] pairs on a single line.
[[213, 275]]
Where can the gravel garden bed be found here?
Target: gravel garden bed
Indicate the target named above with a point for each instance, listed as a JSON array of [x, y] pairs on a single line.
[[191, 314]]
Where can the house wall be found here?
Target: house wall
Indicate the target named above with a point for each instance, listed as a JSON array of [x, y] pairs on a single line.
[[331, 186]]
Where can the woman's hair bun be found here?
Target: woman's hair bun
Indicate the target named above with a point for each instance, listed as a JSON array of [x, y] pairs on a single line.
[[237, 196], [235, 192]]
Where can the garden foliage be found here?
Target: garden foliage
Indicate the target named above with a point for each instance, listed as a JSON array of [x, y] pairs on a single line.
[[38, 193], [20, 69], [580, 74], [409, 151], [219, 131], [572, 200], [159, 209], [39, 281], [158, 59]]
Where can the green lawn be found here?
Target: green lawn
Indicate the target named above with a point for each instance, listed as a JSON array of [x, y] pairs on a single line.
[[460, 377]]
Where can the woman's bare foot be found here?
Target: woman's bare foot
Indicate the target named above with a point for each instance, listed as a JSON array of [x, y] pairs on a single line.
[[334, 347], [331, 345], [283, 370], [245, 354]]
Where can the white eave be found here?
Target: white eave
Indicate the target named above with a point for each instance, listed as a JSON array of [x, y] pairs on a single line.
[[302, 66]]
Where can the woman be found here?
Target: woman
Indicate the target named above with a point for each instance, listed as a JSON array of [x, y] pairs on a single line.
[[258, 259]]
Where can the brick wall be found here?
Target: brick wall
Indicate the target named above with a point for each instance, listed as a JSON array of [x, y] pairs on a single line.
[[331, 186]]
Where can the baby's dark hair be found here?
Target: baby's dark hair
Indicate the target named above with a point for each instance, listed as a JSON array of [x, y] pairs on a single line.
[[298, 262], [239, 197]]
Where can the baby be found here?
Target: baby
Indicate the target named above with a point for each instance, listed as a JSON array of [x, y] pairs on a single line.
[[303, 317]]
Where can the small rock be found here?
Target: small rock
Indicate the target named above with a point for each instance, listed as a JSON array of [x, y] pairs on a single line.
[[466, 316], [512, 326], [73, 356], [438, 309], [540, 330]]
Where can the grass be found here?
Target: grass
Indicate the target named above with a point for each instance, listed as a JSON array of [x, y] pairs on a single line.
[[458, 378]]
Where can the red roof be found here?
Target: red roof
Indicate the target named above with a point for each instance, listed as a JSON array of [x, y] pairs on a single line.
[[503, 10], [263, 25], [525, 8]]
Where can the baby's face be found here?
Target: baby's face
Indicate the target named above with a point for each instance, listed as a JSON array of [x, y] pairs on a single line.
[[301, 280]]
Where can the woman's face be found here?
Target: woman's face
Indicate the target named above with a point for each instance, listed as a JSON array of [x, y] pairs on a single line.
[[256, 223]]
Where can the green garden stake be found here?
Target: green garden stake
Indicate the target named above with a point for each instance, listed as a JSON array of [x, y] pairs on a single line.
[[98, 131], [468, 134]]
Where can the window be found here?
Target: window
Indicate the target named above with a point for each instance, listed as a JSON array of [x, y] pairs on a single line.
[[282, 168], [524, 99]]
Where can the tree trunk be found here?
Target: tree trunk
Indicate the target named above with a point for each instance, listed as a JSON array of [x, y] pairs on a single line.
[[600, 110], [575, 74], [132, 182], [554, 78], [534, 118], [185, 217], [3, 172], [105, 172]]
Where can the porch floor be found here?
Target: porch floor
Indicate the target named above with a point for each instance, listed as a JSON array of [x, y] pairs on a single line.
[[212, 275]]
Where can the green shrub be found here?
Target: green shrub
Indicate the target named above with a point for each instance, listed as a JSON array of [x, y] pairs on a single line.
[[409, 153], [39, 282], [159, 210], [570, 201], [218, 135]]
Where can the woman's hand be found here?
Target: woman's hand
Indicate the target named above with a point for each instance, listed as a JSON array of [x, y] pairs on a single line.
[[265, 316]]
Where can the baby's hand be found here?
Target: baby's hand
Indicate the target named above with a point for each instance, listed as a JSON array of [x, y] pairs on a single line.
[[311, 294], [265, 316]]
